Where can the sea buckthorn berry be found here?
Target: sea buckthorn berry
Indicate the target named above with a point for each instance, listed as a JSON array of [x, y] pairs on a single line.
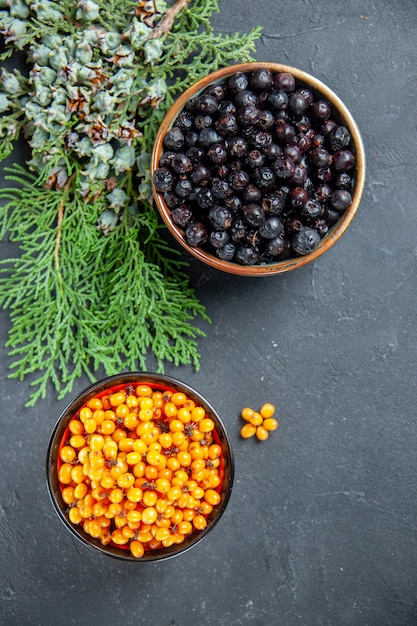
[[212, 497], [214, 451], [178, 398], [77, 474], [247, 431], [67, 454], [247, 413], [270, 423], [118, 435], [64, 473], [143, 390], [139, 469], [145, 403], [124, 446], [90, 425], [133, 458], [76, 427], [130, 421], [134, 517], [267, 410], [122, 410], [85, 414], [94, 404], [197, 414], [107, 481], [149, 515], [137, 549], [184, 415], [173, 463], [165, 440], [176, 425], [98, 416], [256, 419], [262, 433], [117, 398], [145, 415], [107, 427], [116, 495], [134, 494], [149, 498], [139, 446], [74, 515], [170, 410], [126, 480], [199, 522], [118, 537], [128, 532], [132, 402], [162, 485], [68, 495], [206, 425]]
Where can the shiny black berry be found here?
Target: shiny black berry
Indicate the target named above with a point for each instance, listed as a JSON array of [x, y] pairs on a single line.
[[207, 137], [247, 255], [321, 110], [227, 252], [183, 188], [340, 200], [207, 103], [196, 234], [217, 153], [218, 238], [305, 240], [181, 216], [253, 214], [174, 139], [200, 175], [271, 228], [237, 146], [277, 99], [220, 217], [181, 164], [338, 138], [284, 81], [163, 180], [262, 79], [343, 160], [237, 82]]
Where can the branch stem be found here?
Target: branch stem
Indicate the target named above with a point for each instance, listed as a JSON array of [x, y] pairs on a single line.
[[167, 21], [60, 219]]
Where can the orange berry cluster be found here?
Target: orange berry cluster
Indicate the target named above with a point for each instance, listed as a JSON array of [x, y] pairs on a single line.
[[259, 423], [140, 468]]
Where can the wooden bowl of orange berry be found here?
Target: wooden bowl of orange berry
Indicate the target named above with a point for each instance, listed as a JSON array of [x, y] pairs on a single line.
[[139, 467]]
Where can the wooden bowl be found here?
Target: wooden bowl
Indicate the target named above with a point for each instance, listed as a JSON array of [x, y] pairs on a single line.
[[340, 113]]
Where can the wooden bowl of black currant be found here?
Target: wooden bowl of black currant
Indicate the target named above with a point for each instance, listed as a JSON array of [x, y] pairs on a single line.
[[258, 169]]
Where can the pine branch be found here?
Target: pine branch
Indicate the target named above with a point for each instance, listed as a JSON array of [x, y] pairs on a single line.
[[95, 286]]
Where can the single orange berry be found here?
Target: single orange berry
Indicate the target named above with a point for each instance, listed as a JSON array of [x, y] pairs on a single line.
[[262, 433], [267, 410], [247, 431], [270, 424], [247, 413], [256, 419]]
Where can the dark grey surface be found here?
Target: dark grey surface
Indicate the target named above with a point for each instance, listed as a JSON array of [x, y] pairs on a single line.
[[321, 527]]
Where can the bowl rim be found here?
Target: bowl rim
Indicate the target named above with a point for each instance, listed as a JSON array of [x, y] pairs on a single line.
[[56, 437], [334, 233]]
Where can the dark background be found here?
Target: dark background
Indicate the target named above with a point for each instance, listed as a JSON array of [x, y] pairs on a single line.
[[321, 527]]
